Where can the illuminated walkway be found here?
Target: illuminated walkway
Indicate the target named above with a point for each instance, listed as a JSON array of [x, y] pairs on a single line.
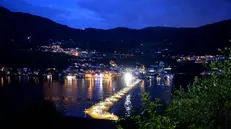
[[100, 110]]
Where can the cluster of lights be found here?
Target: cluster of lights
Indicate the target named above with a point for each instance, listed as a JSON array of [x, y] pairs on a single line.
[[100, 110], [98, 76], [198, 59], [71, 77]]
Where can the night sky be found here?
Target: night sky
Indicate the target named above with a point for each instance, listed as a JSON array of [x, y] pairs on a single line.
[[125, 13]]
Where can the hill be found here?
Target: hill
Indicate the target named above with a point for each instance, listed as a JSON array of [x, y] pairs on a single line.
[[17, 27]]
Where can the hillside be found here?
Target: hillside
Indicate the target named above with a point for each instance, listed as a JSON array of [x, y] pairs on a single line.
[[15, 27]]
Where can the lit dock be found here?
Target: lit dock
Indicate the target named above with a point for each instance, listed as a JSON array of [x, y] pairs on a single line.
[[100, 110]]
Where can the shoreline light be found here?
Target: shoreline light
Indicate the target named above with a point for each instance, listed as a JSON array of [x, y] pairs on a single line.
[[70, 77], [49, 76]]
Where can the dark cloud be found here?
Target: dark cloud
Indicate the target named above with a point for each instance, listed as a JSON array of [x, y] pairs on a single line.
[[190, 13], [127, 13], [22, 6]]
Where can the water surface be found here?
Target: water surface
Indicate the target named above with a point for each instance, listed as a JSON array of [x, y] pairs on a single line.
[[72, 96]]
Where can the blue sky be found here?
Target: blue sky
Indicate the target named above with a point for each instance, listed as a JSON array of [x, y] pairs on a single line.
[[125, 13]]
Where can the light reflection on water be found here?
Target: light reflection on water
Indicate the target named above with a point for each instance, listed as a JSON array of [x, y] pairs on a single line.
[[2, 81], [8, 79], [156, 90], [128, 105], [74, 95]]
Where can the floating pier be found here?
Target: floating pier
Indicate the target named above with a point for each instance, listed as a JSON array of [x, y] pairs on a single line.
[[100, 110]]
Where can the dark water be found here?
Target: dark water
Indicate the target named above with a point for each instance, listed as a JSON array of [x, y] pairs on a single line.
[[74, 95]]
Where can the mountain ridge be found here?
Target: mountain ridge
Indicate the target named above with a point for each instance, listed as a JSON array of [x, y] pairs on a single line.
[[3, 8], [42, 30]]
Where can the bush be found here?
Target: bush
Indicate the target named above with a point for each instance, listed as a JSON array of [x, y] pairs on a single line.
[[205, 105]]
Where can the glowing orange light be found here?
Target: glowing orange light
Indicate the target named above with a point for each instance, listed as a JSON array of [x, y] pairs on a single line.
[[90, 88], [76, 53], [142, 83], [88, 75]]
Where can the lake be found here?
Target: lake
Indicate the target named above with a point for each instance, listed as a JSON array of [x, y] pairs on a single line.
[[72, 96]]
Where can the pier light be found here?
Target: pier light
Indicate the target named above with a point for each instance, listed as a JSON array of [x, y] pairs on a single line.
[[100, 110], [128, 77]]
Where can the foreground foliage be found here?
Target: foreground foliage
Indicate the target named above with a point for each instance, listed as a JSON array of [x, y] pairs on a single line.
[[205, 105]]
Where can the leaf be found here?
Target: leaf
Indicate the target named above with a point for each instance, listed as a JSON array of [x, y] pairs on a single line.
[[147, 124], [157, 100]]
